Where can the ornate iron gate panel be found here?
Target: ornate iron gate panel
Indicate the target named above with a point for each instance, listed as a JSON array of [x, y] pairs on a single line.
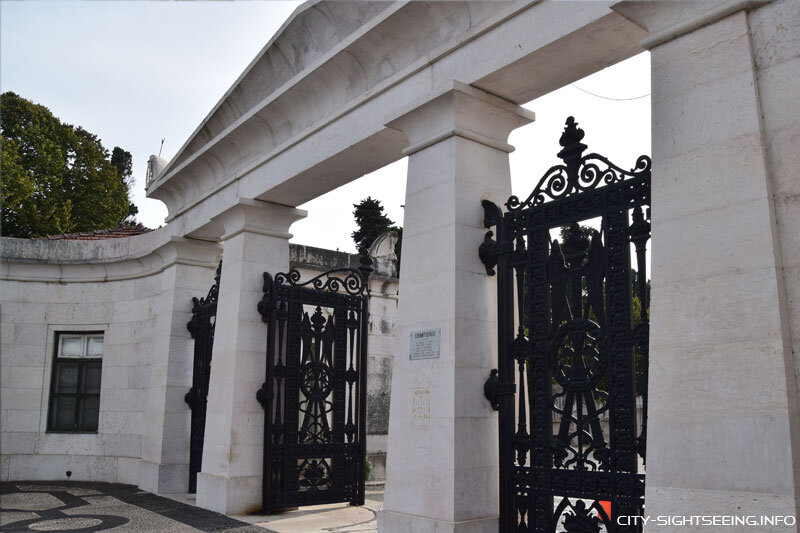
[[201, 327], [573, 344], [314, 396]]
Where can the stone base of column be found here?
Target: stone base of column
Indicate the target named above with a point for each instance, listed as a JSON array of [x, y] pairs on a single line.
[[163, 478], [683, 503], [229, 495], [394, 522]]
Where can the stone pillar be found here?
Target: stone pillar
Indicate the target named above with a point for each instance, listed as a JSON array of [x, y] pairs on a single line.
[[723, 408], [442, 458], [191, 264], [256, 240]]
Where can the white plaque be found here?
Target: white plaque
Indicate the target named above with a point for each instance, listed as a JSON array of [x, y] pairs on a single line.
[[425, 344]]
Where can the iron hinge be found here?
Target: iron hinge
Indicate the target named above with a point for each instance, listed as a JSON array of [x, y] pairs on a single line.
[[263, 396], [490, 250], [494, 389]]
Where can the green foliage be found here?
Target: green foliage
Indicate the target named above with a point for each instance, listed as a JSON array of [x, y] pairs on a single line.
[[577, 231], [566, 232], [372, 223], [398, 247], [635, 281], [56, 178], [123, 162]]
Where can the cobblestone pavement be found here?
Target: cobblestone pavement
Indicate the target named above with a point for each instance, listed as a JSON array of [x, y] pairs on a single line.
[[89, 507]]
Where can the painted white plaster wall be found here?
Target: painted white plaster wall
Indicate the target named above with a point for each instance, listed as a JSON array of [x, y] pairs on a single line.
[[382, 349]]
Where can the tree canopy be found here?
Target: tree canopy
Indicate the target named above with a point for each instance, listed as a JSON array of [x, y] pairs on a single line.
[[371, 222], [57, 178]]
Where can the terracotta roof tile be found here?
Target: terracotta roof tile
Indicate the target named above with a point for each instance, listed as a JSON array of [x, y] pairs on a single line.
[[96, 235]]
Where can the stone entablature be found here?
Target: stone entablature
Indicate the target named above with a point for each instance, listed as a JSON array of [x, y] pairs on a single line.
[[324, 125]]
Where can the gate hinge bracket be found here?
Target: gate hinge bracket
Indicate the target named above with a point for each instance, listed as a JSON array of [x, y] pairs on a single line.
[[263, 396], [494, 390], [189, 398], [490, 250]]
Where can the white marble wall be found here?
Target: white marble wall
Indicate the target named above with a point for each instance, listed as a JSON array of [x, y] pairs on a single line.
[[723, 413], [143, 433], [131, 314], [29, 318], [775, 38], [442, 461]]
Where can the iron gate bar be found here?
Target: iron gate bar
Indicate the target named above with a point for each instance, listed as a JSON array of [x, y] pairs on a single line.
[[313, 365], [201, 327], [571, 339]]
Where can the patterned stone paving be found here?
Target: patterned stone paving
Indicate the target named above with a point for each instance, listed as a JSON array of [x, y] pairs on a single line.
[[89, 507]]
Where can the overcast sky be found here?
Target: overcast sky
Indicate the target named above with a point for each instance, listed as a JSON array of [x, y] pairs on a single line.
[[136, 72]]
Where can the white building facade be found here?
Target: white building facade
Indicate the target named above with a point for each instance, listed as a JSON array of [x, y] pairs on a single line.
[[345, 88], [109, 304]]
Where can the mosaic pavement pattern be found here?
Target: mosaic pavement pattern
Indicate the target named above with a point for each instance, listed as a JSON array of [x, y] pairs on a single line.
[[89, 507]]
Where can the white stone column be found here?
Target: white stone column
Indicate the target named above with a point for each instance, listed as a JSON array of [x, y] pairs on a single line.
[[256, 240], [164, 467], [723, 411], [442, 458]]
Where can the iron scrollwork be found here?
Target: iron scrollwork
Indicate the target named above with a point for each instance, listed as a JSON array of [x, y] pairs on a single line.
[[573, 347], [349, 279], [579, 173], [201, 328], [314, 395]]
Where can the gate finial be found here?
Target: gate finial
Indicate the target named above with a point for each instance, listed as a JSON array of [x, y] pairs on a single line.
[[571, 141]]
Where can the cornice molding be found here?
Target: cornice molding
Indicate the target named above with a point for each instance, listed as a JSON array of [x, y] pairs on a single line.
[[647, 16], [216, 165], [174, 251]]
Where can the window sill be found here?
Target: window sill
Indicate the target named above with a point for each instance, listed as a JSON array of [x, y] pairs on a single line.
[[71, 432]]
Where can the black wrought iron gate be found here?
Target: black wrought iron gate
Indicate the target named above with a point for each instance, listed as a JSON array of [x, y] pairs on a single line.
[[201, 327], [573, 344], [314, 396]]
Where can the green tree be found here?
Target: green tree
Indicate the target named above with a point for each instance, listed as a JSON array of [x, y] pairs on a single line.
[[371, 222], [579, 232], [123, 162], [574, 230], [56, 178]]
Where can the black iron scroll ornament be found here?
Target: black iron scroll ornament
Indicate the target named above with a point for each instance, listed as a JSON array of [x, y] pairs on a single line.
[[314, 395], [572, 344], [201, 327]]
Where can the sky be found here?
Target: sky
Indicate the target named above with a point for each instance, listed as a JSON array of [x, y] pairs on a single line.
[[137, 72]]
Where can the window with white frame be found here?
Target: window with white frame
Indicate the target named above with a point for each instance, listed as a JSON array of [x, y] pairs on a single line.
[[75, 381]]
